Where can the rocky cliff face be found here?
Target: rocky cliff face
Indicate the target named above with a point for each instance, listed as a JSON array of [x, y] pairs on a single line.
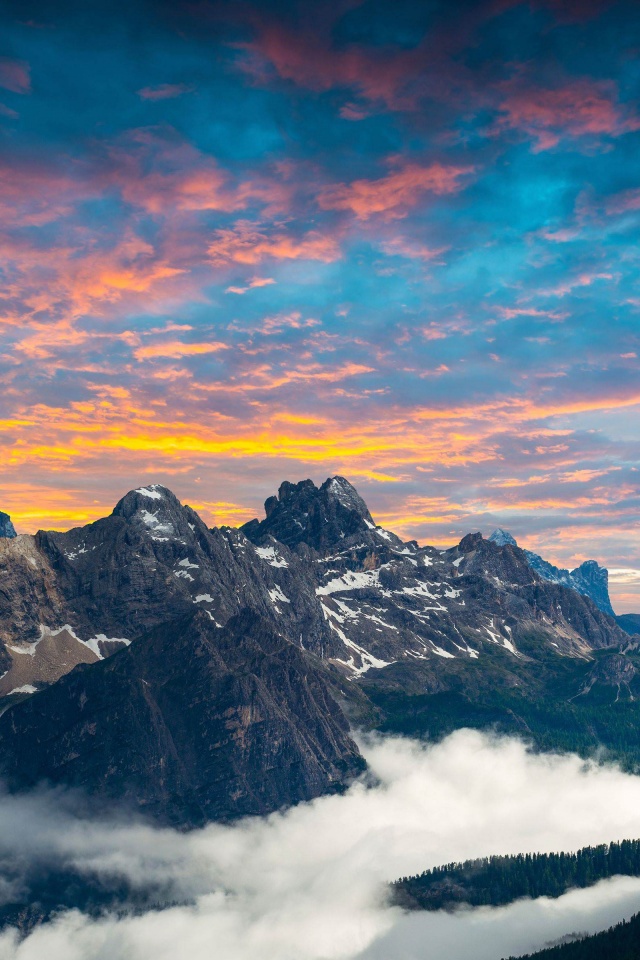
[[191, 723], [6, 527]]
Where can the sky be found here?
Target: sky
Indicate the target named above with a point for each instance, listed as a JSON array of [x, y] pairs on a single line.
[[245, 242]]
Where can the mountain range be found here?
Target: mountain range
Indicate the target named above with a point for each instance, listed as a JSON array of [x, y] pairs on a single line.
[[200, 674], [589, 578]]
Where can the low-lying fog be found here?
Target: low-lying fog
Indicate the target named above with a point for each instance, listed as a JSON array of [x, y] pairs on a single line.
[[310, 884]]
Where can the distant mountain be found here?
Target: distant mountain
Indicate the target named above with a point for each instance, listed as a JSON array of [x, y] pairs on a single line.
[[197, 651], [589, 578], [630, 622], [6, 527], [502, 537]]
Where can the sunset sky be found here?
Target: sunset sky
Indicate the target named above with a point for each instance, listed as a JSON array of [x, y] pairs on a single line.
[[249, 242]]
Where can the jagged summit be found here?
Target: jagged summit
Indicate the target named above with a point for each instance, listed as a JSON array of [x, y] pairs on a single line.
[[318, 516], [7, 529], [502, 537], [589, 579]]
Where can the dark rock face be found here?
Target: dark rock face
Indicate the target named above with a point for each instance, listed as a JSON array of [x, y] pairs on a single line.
[[320, 517], [190, 723], [593, 581], [589, 578], [6, 527], [614, 669]]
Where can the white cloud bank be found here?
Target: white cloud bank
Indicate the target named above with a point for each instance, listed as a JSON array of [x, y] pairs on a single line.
[[309, 884]]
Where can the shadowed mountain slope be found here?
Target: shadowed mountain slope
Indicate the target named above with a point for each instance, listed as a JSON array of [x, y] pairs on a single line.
[[190, 723]]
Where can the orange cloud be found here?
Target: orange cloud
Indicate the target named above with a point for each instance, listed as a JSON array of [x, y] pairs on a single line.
[[173, 349], [245, 243], [396, 194]]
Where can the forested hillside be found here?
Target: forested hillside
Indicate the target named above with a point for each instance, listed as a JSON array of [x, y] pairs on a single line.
[[621, 942], [496, 881]]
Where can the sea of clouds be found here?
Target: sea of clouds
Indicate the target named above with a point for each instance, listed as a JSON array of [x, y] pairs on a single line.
[[311, 883]]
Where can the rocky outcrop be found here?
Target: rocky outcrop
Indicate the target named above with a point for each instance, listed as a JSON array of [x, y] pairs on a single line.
[[593, 581], [6, 527], [319, 517], [191, 723], [614, 670]]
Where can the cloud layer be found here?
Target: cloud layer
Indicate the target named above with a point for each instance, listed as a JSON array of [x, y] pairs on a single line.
[[310, 883]]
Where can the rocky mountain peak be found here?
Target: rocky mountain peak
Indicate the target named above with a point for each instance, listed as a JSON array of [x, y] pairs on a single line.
[[470, 542], [502, 537], [6, 527], [157, 512], [152, 498], [593, 580], [338, 488], [589, 579], [317, 516]]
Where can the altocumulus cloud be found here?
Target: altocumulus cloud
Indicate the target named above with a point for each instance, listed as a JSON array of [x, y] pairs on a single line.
[[310, 883]]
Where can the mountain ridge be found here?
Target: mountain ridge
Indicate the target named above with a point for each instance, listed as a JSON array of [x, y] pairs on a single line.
[[388, 633], [589, 578]]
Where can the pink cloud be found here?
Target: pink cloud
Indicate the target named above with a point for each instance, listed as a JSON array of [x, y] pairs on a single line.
[[396, 194], [289, 321], [173, 349], [165, 91], [309, 60], [565, 235], [510, 313], [256, 282], [582, 280], [623, 202], [155, 169], [246, 243], [14, 75], [413, 249], [577, 109], [353, 111]]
